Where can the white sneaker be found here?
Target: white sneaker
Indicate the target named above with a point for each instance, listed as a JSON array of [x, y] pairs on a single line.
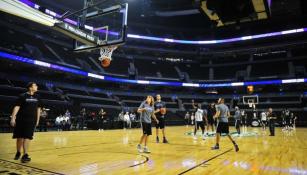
[[204, 138], [146, 150], [139, 148], [194, 137]]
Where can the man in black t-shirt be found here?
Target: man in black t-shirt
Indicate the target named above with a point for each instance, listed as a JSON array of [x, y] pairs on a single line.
[[101, 119], [160, 111], [43, 120], [82, 118], [211, 113], [272, 119], [287, 119], [24, 119]]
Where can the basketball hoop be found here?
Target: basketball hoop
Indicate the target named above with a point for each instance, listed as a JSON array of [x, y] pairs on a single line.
[[106, 55], [106, 52], [251, 103]]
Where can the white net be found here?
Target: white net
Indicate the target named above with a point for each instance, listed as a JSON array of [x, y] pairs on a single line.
[[250, 105], [106, 52]]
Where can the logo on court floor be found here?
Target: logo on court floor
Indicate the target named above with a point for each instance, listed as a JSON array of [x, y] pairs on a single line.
[[235, 134], [8, 167]]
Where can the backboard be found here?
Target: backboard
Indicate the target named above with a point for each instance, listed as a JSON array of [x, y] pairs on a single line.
[[98, 24], [250, 100]]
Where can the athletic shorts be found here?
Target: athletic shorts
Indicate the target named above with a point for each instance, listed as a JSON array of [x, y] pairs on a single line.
[[288, 121], [24, 129], [161, 123], [200, 124], [244, 121], [210, 120], [222, 127], [146, 128], [237, 123], [264, 122]]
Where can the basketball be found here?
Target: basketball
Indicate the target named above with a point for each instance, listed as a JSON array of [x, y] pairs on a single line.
[[163, 111], [105, 62]]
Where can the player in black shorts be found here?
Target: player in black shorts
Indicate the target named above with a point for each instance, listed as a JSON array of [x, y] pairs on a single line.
[[287, 119], [272, 119], [237, 118], [210, 114], [222, 115], [24, 119], [160, 111], [244, 120], [283, 119], [101, 119], [146, 111]]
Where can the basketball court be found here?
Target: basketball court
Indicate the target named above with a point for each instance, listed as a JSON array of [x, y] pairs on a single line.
[[100, 28], [114, 152]]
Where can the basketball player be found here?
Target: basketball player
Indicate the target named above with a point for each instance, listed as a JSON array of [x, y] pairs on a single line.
[[67, 121], [237, 118], [82, 118], [43, 120], [210, 114], [161, 117], [222, 114], [24, 119], [192, 118], [272, 119], [263, 120], [127, 121], [283, 119], [254, 112], [187, 118], [58, 122], [287, 119], [101, 118], [199, 121], [244, 120], [292, 119], [146, 111]]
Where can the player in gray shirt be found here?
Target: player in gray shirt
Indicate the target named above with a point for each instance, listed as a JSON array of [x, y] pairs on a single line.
[[237, 118], [222, 114], [146, 111]]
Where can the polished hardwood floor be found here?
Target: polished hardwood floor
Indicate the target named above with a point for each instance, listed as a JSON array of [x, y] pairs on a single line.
[[114, 152]]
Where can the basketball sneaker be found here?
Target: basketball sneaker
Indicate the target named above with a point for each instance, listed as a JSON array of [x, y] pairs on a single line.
[[146, 150], [17, 156], [25, 158], [236, 147], [215, 147], [139, 148]]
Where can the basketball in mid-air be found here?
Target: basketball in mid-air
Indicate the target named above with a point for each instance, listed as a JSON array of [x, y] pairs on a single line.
[[105, 62]]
